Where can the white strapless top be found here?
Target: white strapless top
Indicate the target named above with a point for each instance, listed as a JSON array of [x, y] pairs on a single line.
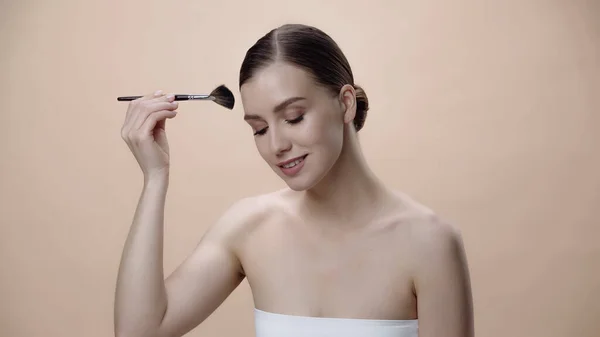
[[278, 325]]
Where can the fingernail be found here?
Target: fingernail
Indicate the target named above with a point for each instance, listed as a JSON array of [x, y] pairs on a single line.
[[158, 93], [170, 96]]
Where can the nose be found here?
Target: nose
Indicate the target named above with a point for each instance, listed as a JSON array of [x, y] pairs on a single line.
[[280, 144]]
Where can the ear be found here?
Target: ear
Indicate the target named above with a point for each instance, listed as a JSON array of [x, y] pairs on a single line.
[[348, 102]]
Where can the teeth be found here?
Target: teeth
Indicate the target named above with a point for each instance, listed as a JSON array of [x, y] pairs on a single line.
[[292, 164]]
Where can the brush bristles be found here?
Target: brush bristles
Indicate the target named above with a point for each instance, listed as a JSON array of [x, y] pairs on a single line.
[[223, 96]]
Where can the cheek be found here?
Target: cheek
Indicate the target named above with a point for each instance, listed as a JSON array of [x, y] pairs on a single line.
[[324, 131], [261, 146]]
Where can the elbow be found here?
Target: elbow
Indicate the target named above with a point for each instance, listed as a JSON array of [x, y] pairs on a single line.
[[142, 325], [123, 333], [138, 331]]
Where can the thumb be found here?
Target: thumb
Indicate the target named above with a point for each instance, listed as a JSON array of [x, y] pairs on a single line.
[[159, 129], [161, 124]]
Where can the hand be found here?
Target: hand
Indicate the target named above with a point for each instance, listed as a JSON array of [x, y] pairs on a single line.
[[144, 131]]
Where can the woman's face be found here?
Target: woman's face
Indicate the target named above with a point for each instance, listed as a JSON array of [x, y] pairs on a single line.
[[298, 126]]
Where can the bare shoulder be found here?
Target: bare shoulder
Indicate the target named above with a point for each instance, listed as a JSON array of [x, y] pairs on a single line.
[[433, 235], [213, 269], [440, 274], [242, 217], [427, 231], [436, 244]]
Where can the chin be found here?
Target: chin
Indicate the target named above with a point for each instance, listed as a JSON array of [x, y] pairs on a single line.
[[298, 188], [302, 183], [298, 185]]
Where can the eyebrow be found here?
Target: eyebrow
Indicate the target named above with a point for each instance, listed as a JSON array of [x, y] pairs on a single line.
[[281, 106]]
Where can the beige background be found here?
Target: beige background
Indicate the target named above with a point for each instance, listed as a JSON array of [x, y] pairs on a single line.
[[487, 111]]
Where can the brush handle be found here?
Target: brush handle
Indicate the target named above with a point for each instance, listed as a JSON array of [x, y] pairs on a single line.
[[179, 97]]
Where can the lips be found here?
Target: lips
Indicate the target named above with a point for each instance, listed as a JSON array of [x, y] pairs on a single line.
[[293, 166], [292, 162]]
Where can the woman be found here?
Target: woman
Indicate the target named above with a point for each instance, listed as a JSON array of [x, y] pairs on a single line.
[[336, 254]]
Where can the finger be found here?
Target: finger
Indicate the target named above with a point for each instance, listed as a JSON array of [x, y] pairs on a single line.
[[157, 119], [162, 102], [133, 105], [163, 98], [160, 99], [153, 108], [161, 125]]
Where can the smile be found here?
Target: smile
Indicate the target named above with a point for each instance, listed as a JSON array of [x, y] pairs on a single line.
[[293, 166]]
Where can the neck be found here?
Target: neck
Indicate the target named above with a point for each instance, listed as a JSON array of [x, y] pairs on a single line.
[[349, 193]]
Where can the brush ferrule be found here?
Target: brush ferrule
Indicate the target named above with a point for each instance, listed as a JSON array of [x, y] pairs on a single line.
[[193, 97]]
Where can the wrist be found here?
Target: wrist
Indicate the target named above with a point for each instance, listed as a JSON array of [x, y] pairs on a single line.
[[157, 178]]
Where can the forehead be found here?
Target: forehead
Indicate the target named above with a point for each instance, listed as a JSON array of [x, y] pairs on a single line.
[[273, 84]]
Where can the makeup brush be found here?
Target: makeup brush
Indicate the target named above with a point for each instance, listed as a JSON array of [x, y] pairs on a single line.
[[221, 95]]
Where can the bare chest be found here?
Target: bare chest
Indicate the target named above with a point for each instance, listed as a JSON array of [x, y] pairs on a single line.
[[298, 271]]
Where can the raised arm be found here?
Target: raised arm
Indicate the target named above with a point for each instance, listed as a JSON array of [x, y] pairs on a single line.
[[442, 283], [147, 305]]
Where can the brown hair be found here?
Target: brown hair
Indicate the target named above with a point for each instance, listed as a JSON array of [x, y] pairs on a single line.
[[312, 50]]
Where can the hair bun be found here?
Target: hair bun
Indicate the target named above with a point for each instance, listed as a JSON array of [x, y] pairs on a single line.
[[362, 106]]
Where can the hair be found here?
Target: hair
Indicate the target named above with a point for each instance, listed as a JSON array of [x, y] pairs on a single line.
[[312, 50]]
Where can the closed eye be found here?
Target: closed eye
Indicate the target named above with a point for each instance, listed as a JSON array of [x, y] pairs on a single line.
[[290, 121], [296, 120], [260, 132]]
